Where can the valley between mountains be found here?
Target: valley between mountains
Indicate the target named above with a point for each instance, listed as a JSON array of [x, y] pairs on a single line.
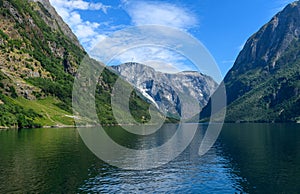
[[40, 56]]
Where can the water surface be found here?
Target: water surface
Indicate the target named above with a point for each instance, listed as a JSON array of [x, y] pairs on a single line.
[[251, 158]]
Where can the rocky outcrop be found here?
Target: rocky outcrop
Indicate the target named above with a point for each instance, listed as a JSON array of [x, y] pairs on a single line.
[[52, 19], [263, 84], [39, 58], [264, 49], [168, 90]]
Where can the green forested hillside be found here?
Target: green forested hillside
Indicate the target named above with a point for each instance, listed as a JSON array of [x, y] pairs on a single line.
[[274, 98], [39, 57], [264, 82]]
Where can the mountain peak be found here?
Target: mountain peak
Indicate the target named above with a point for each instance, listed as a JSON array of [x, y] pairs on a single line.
[[295, 3], [264, 50], [135, 65], [164, 89], [263, 84]]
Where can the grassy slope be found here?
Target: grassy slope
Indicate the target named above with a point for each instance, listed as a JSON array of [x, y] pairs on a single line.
[[51, 114], [25, 49]]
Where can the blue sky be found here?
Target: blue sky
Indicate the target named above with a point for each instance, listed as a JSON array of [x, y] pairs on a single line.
[[222, 26]]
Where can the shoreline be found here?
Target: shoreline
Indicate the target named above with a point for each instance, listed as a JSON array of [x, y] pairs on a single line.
[[112, 125], [65, 126]]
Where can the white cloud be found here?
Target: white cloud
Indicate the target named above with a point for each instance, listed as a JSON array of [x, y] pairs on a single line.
[[161, 44], [160, 59], [79, 5], [141, 13], [86, 31], [159, 13]]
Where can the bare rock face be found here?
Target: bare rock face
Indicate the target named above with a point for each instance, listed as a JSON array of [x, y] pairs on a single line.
[[31, 40], [266, 47], [263, 84], [168, 90], [39, 58], [52, 19]]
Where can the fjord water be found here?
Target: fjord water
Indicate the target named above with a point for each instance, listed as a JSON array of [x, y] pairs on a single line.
[[251, 158]]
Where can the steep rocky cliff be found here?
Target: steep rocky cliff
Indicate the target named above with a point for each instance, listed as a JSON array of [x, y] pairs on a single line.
[[264, 82], [164, 89]]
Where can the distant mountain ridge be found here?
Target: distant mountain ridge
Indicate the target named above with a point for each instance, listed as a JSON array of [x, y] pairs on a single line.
[[264, 82], [163, 88]]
